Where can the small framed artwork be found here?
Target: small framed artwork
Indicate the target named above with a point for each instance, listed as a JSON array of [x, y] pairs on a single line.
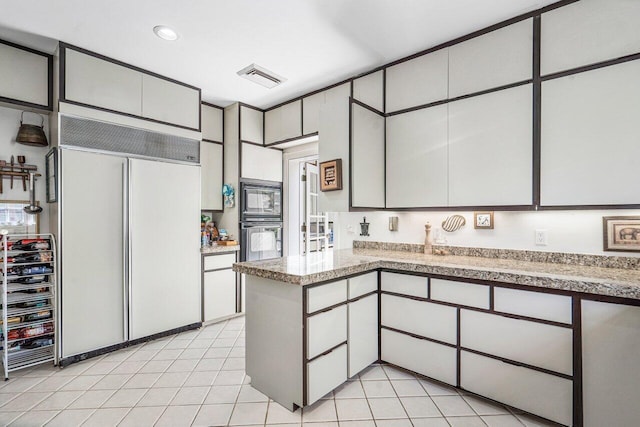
[[51, 170], [483, 220], [331, 175], [621, 233]]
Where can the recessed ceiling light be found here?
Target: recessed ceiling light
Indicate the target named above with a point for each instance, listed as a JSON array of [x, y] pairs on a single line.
[[165, 32]]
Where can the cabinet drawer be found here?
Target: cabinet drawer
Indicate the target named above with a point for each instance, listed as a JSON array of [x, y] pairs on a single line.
[[364, 284], [460, 293], [326, 373], [219, 294], [539, 305], [215, 262], [327, 295], [545, 395], [404, 284], [537, 344], [421, 318], [326, 330], [421, 356]]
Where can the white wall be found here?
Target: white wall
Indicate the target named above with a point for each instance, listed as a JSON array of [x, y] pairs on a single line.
[[567, 231], [9, 125]]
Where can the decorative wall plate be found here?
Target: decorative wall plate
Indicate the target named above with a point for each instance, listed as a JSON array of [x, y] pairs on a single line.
[[453, 223]]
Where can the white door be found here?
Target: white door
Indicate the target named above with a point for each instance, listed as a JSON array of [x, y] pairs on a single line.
[[92, 251], [165, 246], [316, 224]]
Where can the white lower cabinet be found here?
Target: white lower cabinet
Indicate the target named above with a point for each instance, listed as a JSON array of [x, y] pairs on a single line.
[[326, 373], [219, 296], [416, 286], [545, 346], [610, 374], [422, 356], [363, 333], [326, 330], [422, 318], [542, 394]]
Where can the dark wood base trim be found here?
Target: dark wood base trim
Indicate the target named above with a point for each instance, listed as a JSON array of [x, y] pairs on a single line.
[[93, 353]]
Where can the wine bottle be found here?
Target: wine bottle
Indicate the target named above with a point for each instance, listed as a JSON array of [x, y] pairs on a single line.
[[32, 269], [33, 257]]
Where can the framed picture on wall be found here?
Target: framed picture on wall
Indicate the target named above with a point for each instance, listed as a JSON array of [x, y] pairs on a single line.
[[331, 175], [483, 220], [621, 233]]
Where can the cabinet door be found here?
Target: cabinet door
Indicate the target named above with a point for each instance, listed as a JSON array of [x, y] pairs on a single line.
[[283, 122], [370, 90], [251, 125], [93, 287], [212, 123], [261, 163], [211, 160], [541, 394], [491, 149], [326, 330], [545, 346], [587, 32], [170, 102], [219, 293], [491, 60], [165, 279], [405, 284], [363, 333], [25, 75], [311, 106], [367, 158], [589, 145], [103, 84], [424, 357], [416, 163], [422, 318], [610, 375], [326, 373], [417, 82]]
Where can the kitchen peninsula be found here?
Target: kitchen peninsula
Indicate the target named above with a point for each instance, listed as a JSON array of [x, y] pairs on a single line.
[[550, 334]]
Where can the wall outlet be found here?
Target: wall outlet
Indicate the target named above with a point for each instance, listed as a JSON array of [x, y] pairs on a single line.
[[541, 238]]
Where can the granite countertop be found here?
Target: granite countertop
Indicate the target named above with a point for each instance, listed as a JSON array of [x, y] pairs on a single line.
[[323, 266], [215, 249]]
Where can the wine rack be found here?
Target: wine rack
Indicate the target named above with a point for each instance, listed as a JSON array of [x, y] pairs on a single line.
[[28, 300]]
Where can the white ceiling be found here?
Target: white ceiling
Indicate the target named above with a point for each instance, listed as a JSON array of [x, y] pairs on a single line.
[[312, 43]]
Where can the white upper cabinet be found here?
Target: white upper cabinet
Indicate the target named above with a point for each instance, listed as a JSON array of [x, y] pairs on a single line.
[[251, 125], [587, 32], [491, 149], [311, 106], [261, 163], [283, 122], [170, 102], [369, 90], [418, 81], [211, 160], [25, 75], [102, 84], [212, 123], [416, 163], [491, 60], [590, 142], [367, 157]]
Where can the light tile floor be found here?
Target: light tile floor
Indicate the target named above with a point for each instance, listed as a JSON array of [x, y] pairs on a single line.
[[197, 378]]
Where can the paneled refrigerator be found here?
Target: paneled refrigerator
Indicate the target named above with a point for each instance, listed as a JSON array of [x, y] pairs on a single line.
[[129, 248]]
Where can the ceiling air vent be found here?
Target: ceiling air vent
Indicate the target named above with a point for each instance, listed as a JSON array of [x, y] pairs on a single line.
[[261, 75]]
